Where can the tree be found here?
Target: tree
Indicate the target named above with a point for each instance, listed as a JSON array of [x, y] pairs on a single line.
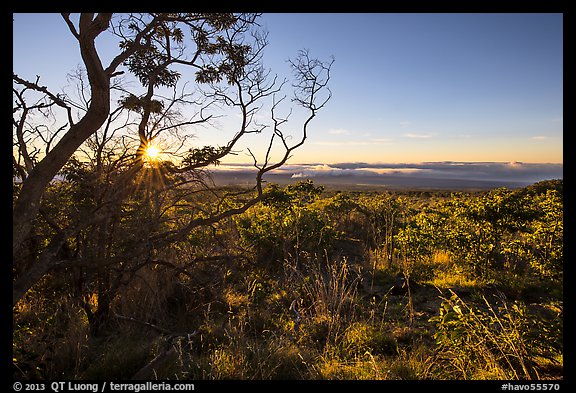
[[225, 53], [288, 224]]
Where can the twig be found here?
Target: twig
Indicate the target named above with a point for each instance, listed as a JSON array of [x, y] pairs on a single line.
[[298, 318], [155, 327]]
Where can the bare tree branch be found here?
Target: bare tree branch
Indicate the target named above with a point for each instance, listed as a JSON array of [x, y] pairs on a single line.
[[113, 182]]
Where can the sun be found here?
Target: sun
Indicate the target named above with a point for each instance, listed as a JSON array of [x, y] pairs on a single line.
[[153, 152]]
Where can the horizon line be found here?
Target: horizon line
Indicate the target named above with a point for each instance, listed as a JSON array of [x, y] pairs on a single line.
[[404, 162]]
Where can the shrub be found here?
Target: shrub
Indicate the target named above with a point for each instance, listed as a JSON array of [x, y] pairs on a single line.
[[288, 224], [488, 343]]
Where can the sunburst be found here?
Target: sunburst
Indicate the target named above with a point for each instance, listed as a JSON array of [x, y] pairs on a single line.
[[152, 153], [152, 175]]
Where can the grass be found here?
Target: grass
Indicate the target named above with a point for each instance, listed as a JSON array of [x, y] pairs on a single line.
[[446, 274], [251, 331], [492, 340], [327, 318], [120, 357]]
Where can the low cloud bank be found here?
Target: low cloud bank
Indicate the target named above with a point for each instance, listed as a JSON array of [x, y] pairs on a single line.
[[446, 174]]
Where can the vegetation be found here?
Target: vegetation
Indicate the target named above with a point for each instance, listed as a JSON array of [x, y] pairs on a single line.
[[107, 135], [311, 284], [128, 265]]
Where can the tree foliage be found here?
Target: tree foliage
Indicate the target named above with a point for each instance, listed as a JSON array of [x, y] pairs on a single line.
[[297, 276], [126, 201], [288, 223]]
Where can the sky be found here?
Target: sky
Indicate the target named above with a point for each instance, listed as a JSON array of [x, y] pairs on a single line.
[[407, 88]]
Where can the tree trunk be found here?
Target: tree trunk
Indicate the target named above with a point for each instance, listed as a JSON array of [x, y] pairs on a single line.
[[27, 205]]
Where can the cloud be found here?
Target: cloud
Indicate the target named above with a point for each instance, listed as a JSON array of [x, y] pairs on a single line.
[[393, 171], [444, 174], [539, 137], [371, 141], [481, 171], [313, 171], [405, 124], [418, 136], [305, 171]]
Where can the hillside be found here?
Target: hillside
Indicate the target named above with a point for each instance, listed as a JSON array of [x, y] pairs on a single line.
[[312, 284]]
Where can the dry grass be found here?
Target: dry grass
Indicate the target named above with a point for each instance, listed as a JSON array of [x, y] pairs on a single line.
[[446, 274], [246, 328]]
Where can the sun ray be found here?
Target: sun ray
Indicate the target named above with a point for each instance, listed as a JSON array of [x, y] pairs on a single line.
[[153, 153]]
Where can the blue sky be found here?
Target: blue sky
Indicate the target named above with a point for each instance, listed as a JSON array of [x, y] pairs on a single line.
[[406, 87]]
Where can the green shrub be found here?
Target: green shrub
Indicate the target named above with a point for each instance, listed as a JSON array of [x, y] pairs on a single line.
[[288, 223]]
